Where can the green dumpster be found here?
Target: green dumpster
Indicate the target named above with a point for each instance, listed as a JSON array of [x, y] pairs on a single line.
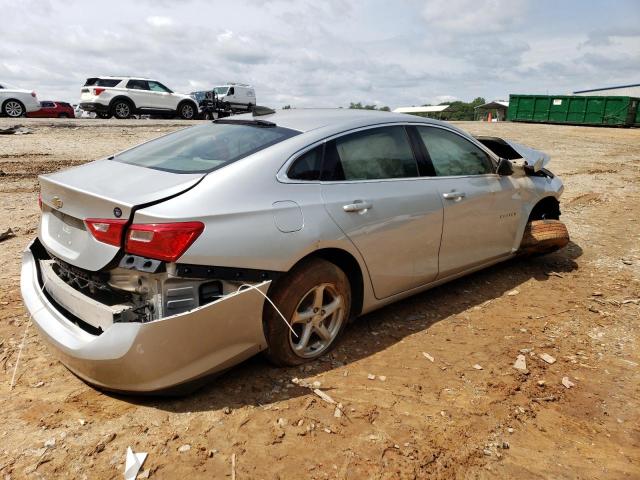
[[575, 109]]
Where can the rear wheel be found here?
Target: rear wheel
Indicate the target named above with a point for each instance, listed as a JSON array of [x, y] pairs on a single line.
[[13, 108], [121, 109], [544, 236], [315, 298], [63, 115]]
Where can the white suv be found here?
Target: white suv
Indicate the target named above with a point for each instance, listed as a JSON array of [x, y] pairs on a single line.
[[15, 102], [122, 97]]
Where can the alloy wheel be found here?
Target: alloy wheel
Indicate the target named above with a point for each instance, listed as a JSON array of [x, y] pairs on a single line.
[[13, 109], [122, 110], [316, 321], [187, 112]]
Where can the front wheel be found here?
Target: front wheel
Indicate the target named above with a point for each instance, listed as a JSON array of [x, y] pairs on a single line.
[[187, 111], [13, 109], [315, 298], [544, 236]]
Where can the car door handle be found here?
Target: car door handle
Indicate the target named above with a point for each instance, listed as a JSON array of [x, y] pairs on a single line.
[[454, 195], [357, 206]]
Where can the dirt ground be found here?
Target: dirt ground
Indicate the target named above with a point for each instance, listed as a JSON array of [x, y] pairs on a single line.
[[419, 418]]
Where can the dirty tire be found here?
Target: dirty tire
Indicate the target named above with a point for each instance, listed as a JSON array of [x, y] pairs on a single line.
[[544, 236], [294, 294]]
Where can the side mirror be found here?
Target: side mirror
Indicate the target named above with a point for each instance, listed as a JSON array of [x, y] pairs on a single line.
[[504, 168]]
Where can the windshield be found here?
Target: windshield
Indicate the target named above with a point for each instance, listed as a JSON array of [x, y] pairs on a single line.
[[221, 90], [204, 148]]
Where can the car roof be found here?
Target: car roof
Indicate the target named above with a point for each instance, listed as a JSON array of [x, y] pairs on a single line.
[[307, 119], [124, 77]]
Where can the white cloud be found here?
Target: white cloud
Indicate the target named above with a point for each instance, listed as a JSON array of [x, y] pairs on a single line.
[[159, 21], [308, 53], [474, 16]]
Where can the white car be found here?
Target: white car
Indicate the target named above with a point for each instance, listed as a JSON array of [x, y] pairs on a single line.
[[122, 97], [16, 102], [236, 95]]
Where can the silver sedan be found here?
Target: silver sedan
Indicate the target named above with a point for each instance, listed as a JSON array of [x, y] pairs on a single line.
[[179, 258]]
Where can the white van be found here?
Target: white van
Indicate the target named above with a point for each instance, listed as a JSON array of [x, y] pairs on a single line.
[[236, 95]]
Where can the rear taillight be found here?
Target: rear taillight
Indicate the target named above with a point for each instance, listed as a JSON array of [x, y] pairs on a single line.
[[33, 94], [162, 241], [98, 91], [106, 230], [40, 201]]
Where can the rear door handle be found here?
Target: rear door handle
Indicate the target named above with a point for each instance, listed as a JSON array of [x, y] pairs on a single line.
[[454, 195], [357, 206]]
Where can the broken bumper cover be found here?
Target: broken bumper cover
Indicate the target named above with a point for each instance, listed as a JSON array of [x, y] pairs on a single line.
[[153, 356]]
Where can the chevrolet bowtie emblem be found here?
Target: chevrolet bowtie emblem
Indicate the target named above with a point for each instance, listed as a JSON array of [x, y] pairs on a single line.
[[56, 202]]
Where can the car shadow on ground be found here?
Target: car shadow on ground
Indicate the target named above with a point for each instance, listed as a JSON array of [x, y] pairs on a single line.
[[257, 382]]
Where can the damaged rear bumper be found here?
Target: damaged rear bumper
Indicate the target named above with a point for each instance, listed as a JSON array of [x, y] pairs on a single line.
[[153, 356]]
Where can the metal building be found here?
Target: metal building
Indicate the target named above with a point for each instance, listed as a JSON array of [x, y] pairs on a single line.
[[623, 90], [431, 111]]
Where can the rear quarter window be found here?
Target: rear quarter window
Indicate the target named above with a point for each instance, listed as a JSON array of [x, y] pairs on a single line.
[[307, 166], [204, 148]]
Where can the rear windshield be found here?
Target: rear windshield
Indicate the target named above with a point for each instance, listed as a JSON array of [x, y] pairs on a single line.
[[204, 148], [102, 82]]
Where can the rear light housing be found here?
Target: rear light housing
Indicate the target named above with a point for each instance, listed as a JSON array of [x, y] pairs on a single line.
[[106, 230], [162, 241], [33, 94], [40, 201], [98, 91]]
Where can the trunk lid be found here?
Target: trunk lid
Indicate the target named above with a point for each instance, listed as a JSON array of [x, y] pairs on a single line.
[[99, 189]]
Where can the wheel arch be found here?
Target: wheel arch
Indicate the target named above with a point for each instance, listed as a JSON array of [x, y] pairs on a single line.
[[186, 100], [123, 97], [547, 208], [346, 262]]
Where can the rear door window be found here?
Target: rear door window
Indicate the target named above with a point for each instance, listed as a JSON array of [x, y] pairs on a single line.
[[377, 153], [204, 148], [138, 85], [453, 155]]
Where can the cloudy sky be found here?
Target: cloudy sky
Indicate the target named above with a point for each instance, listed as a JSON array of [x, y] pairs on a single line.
[[325, 53]]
